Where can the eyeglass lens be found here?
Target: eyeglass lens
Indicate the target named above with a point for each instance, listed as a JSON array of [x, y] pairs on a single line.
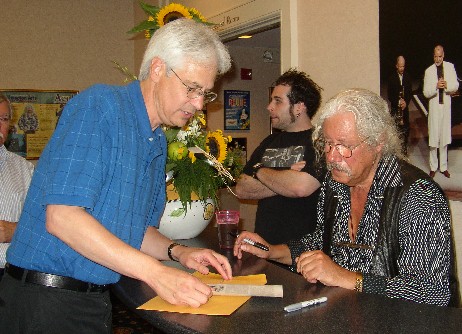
[[195, 92]]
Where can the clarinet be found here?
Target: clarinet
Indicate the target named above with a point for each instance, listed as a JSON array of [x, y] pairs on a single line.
[[440, 71]]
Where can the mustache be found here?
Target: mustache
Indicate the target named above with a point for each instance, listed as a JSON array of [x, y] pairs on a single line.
[[339, 167]]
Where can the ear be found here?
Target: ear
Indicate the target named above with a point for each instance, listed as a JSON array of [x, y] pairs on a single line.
[[157, 69], [379, 147], [301, 106]]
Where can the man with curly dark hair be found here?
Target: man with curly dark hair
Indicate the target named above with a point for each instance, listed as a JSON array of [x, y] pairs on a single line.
[[280, 173]]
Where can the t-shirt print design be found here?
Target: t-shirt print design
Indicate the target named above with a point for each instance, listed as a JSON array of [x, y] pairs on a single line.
[[283, 157]]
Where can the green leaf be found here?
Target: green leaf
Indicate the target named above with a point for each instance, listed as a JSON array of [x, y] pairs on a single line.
[[149, 9], [171, 133], [177, 212], [145, 25]]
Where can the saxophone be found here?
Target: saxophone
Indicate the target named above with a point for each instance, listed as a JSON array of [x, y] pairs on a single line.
[[399, 113]]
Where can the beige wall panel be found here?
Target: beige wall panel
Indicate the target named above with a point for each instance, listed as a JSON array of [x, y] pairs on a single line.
[[59, 44], [339, 44]]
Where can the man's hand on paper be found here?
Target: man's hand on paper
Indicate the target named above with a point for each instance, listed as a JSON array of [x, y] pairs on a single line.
[[179, 287], [199, 259]]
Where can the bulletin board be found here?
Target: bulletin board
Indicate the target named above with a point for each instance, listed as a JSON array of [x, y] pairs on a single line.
[[35, 115]]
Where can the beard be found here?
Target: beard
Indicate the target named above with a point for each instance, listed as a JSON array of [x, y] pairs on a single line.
[[340, 168]]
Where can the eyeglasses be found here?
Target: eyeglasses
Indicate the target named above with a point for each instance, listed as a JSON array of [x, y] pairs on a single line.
[[345, 151], [4, 119], [195, 92]]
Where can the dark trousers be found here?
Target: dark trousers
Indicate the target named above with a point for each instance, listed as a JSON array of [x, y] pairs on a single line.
[[404, 129], [31, 308]]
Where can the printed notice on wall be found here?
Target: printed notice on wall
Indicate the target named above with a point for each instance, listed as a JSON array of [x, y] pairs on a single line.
[[237, 110], [35, 115]]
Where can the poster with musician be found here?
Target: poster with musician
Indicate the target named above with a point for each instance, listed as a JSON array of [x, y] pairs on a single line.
[[35, 115], [237, 110]]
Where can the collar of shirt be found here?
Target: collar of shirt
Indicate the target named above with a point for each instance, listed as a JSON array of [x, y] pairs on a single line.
[[142, 118], [3, 155], [156, 137]]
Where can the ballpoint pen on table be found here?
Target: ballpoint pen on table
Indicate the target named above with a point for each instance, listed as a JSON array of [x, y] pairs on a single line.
[[299, 306], [252, 242]]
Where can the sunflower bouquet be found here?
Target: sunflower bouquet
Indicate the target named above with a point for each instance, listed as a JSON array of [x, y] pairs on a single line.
[[199, 162], [158, 17]]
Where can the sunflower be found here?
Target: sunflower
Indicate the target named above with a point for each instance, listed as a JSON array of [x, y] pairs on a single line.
[[196, 14], [158, 17], [215, 144], [172, 12]]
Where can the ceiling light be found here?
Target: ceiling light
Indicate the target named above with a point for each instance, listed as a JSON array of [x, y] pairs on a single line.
[[245, 36]]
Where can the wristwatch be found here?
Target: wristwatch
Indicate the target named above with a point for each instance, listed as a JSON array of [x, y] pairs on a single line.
[[255, 169]]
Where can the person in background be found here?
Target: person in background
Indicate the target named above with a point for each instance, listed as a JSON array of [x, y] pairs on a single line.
[[15, 175], [440, 81], [280, 173], [399, 95], [383, 225], [98, 193]]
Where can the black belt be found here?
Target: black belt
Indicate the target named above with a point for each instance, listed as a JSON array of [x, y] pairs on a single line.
[[53, 281]]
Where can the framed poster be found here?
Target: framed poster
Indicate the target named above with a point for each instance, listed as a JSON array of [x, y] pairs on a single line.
[[35, 115], [237, 110]]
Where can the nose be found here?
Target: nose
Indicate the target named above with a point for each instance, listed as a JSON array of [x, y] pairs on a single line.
[[198, 102], [333, 155]]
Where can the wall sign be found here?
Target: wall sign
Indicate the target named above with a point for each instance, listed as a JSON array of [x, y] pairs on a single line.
[[237, 109]]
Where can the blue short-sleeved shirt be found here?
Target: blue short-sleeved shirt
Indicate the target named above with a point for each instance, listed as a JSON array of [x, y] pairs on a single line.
[[104, 157]]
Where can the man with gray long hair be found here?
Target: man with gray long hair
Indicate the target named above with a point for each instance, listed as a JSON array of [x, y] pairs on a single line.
[[99, 191], [384, 225]]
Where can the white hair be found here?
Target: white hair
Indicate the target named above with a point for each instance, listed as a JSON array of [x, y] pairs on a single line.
[[185, 39]]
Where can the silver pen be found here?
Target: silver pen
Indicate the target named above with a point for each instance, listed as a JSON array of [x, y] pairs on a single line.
[[299, 306], [251, 242]]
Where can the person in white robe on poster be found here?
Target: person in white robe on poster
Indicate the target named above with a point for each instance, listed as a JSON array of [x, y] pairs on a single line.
[[439, 82]]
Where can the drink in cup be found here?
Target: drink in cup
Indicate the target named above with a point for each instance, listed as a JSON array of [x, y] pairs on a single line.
[[227, 222]]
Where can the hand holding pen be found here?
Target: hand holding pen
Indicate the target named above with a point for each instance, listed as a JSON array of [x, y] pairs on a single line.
[[259, 246]]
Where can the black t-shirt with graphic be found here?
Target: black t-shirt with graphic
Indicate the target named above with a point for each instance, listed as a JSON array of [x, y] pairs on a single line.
[[280, 219]]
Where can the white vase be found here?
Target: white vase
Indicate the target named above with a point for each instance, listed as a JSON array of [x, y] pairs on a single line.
[[197, 217]]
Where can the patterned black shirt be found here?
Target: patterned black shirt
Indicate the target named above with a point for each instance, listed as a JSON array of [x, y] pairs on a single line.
[[424, 237]]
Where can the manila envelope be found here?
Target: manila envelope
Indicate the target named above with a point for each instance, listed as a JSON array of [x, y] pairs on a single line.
[[217, 305]]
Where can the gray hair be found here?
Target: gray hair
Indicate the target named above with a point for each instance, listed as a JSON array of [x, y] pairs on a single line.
[[3, 98], [373, 120], [186, 39]]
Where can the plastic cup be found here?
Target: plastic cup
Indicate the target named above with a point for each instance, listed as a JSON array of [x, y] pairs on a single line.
[[227, 222]]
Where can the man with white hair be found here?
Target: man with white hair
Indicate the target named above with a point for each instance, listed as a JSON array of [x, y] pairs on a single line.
[[383, 225], [440, 82], [98, 193]]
